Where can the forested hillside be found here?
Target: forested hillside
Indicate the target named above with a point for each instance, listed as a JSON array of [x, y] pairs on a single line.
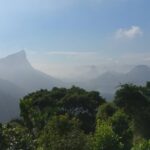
[[18, 80], [76, 119]]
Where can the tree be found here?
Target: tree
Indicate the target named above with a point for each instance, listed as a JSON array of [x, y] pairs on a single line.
[[105, 138], [62, 133], [16, 137], [134, 100], [82, 105], [122, 127], [131, 98], [106, 111], [142, 145], [37, 108]]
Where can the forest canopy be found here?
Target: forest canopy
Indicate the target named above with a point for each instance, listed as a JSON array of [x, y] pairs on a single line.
[[76, 119]]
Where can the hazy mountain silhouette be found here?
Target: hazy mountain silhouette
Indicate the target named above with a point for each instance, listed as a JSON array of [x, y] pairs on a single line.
[[139, 75], [18, 70], [17, 78], [9, 100], [108, 82]]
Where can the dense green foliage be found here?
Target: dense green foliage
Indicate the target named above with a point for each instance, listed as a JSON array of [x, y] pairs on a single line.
[[121, 126], [143, 145], [62, 133], [135, 101], [75, 119], [105, 138], [37, 108]]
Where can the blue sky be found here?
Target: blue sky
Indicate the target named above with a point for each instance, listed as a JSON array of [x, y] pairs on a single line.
[[61, 36]]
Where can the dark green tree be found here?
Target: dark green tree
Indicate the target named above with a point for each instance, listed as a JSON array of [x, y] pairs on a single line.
[[134, 100], [62, 133], [121, 125], [17, 137], [131, 98], [105, 138], [142, 145], [37, 108], [82, 105], [106, 111]]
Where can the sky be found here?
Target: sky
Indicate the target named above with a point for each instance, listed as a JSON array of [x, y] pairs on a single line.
[[72, 38]]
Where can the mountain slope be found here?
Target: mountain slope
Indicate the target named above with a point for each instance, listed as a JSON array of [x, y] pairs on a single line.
[[139, 75], [17, 78], [9, 100], [17, 69], [108, 82]]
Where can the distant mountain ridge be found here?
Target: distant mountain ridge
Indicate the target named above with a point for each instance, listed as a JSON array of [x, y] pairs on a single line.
[[108, 82], [17, 69], [9, 100], [17, 78]]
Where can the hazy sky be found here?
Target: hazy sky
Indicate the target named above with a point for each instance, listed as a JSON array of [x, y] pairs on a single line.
[[72, 37]]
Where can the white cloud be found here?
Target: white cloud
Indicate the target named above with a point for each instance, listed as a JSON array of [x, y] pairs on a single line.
[[130, 33]]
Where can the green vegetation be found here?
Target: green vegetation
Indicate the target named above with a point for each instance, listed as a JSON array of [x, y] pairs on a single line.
[[75, 119]]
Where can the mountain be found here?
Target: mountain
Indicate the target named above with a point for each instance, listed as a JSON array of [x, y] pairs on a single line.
[[17, 78], [108, 82], [139, 75], [17, 69], [9, 100]]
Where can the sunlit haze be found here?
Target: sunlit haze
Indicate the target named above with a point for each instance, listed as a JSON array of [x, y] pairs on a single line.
[[72, 38]]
